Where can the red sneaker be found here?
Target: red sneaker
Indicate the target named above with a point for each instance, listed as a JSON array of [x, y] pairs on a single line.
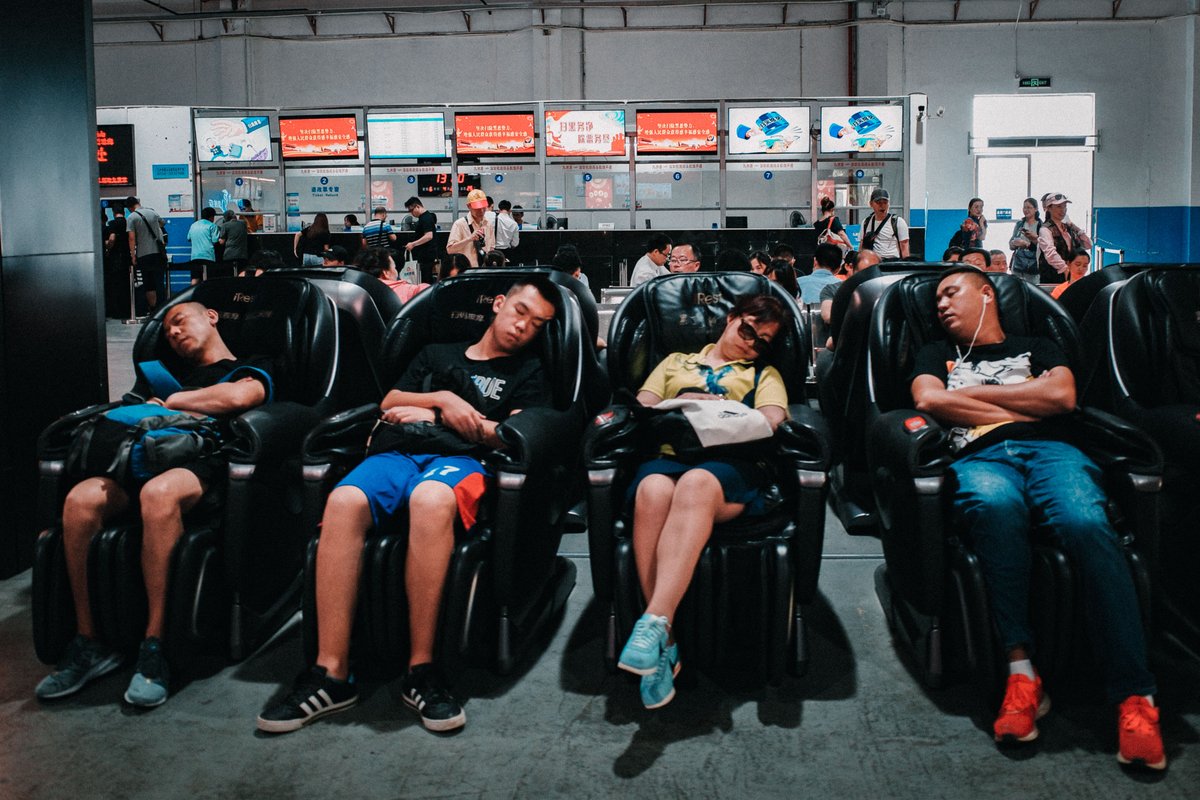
[[1139, 740], [1024, 704]]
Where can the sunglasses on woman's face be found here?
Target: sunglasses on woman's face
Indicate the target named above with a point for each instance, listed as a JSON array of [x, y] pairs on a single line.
[[747, 332]]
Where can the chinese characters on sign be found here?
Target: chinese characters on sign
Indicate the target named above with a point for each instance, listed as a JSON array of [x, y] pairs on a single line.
[[494, 134], [676, 132], [585, 133], [114, 154], [318, 137]]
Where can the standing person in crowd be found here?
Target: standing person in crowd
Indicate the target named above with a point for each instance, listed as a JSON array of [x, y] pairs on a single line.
[[884, 232], [427, 493], [684, 258], [829, 227], [311, 243], [826, 259], [203, 236], [350, 222], [472, 235], [147, 248], [235, 237], [377, 232], [1077, 267], [676, 503], [760, 262], [422, 247], [1058, 238], [999, 261], [654, 262], [1024, 242], [518, 215], [1015, 473], [254, 220], [116, 265], [973, 230], [217, 384], [508, 235]]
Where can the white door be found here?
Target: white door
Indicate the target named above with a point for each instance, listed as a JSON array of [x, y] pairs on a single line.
[[1002, 182]]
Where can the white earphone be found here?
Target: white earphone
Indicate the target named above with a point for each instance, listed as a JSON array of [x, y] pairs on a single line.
[[987, 298]]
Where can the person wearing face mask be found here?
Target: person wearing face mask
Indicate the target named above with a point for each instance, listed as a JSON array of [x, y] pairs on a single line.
[[1058, 238]]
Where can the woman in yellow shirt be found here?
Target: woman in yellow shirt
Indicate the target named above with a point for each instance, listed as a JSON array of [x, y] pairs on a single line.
[[676, 504]]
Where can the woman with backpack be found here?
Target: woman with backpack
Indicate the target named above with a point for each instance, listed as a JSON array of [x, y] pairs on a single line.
[[829, 227]]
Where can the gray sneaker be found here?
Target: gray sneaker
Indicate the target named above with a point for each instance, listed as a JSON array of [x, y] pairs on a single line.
[[85, 660]]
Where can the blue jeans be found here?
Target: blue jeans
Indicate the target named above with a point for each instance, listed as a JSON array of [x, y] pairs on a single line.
[[1006, 490]]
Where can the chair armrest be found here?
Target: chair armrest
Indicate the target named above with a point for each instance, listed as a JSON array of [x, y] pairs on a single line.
[[805, 438], [610, 437], [1115, 445], [536, 437], [270, 432], [909, 444], [342, 437], [56, 437]]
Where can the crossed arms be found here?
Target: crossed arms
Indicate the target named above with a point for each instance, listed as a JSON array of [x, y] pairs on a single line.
[[1051, 393]]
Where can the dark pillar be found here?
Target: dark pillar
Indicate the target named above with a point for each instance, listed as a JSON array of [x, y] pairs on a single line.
[[52, 350]]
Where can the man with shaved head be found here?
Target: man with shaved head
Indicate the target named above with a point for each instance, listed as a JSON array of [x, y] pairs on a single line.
[[217, 385], [998, 395]]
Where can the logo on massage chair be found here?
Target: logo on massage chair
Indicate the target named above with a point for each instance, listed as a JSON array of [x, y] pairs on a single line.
[[703, 299], [481, 300], [242, 297]]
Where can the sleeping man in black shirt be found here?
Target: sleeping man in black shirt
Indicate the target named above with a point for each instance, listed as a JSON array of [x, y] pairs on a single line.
[[997, 394], [500, 374], [220, 386]]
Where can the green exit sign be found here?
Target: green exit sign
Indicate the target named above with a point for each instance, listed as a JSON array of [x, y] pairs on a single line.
[[1034, 83]]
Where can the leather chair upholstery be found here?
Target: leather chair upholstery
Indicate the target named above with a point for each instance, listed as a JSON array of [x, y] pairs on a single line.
[[1143, 342], [235, 574], [761, 571]]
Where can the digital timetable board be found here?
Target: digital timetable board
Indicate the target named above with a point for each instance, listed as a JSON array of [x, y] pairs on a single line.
[[418, 135]]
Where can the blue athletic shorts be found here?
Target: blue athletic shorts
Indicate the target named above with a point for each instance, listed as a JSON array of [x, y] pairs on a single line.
[[388, 480], [741, 481]]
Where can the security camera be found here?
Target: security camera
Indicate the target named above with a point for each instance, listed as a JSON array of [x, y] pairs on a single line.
[[920, 108]]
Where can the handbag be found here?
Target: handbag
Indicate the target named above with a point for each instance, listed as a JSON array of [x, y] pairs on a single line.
[[410, 272]]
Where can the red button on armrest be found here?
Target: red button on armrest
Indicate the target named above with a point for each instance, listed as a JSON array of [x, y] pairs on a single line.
[[914, 424]]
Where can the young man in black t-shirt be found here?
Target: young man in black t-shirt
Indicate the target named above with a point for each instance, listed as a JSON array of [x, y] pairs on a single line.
[[218, 385], [423, 250], [998, 394], [488, 381]]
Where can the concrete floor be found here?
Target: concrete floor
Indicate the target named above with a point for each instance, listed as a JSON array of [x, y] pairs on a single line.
[[858, 725]]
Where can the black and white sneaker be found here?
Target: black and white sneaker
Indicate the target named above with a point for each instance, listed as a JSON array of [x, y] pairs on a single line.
[[314, 695], [425, 694]]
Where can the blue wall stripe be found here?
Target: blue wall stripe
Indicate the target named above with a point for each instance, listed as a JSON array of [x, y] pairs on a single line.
[[1159, 234]]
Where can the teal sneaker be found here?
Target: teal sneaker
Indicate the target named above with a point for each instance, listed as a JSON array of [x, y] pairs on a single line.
[[85, 660], [149, 685], [658, 688], [645, 645]]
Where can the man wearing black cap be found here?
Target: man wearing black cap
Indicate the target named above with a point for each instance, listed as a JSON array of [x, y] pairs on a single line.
[[883, 232]]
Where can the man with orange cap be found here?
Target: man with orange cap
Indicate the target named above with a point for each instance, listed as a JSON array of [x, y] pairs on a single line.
[[472, 235]]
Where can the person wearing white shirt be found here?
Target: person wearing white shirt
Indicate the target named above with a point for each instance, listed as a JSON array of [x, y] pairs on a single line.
[[654, 263], [508, 235]]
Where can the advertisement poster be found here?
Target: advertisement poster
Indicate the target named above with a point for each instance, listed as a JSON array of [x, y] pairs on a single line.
[[233, 139], [676, 132], [494, 134], [862, 129], [395, 135], [768, 130], [599, 193], [114, 154], [381, 194], [585, 133], [318, 137]]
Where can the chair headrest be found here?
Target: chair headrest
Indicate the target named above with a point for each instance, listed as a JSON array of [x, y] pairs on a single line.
[[682, 313], [1173, 295], [266, 317]]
